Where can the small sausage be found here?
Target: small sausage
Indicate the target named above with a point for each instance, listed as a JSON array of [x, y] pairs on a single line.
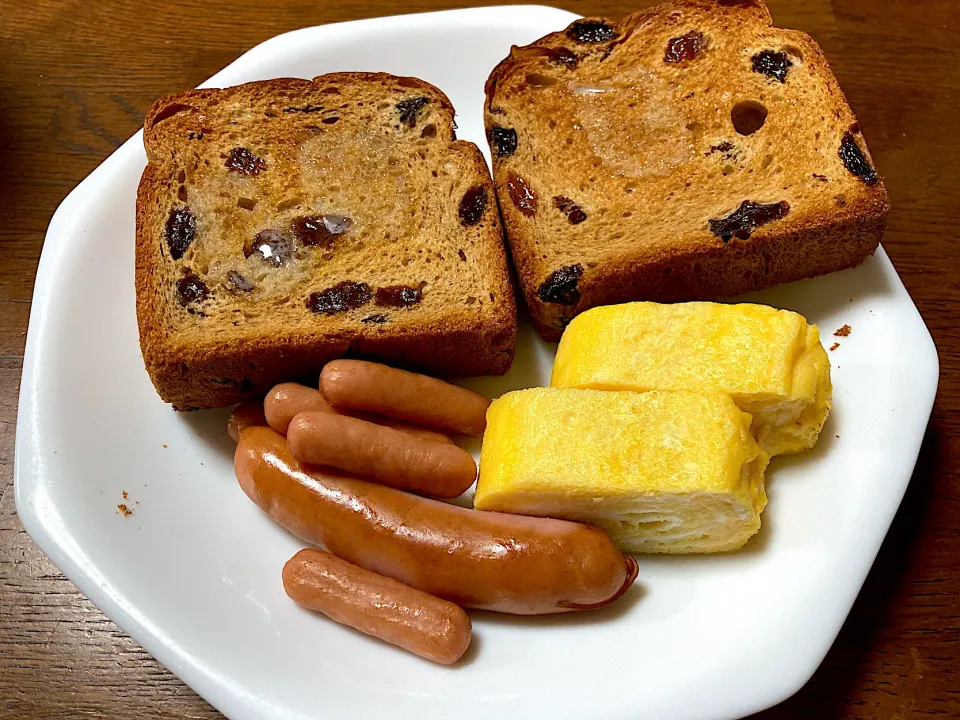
[[246, 414], [371, 387], [494, 561], [380, 453], [286, 400], [379, 606]]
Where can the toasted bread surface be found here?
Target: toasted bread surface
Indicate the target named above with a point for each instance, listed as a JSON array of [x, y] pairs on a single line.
[[690, 151], [284, 223]]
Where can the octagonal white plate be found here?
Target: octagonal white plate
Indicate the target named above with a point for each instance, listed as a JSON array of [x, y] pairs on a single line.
[[194, 573]]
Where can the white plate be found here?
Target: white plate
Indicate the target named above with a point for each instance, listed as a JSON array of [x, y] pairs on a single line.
[[194, 573]]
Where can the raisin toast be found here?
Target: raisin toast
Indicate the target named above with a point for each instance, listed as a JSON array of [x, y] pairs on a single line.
[[690, 151], [284, 223]]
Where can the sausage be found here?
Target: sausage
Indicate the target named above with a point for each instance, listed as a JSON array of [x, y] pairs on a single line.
[[286, 400], [380, 453], [494, 561], [371, 387], [379, 606], [246, 414]]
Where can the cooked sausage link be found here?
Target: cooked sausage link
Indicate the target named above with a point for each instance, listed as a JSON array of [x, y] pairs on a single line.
[[371, 387], [287, 400], [494, 561], [380, 453], [425, 625]]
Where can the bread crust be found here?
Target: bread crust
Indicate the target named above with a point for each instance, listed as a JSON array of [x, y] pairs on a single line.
[[673, 261], [201, 362]]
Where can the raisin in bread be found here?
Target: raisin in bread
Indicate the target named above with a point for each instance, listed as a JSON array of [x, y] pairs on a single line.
[[689, 151], [284, 223]]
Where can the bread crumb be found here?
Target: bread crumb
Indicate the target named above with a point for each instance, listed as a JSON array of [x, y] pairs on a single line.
[[125, 494], [844, 331], [124, 510], [164, 446], [834, 346]]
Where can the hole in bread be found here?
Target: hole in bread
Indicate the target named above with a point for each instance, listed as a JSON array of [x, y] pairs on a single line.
[[795, 51], [430, 131], [182, 193], [169, 111], [435, 173], [727, 169], [628, 214], [538, 80], [569, 141], [766, 161], [246, 203], [674, 16], [182, 176], [591, 265], [695, 127], [748, 116], [552, 124], [330, 120], [471, 300], [629, 188], [331, 90], [409, 82]]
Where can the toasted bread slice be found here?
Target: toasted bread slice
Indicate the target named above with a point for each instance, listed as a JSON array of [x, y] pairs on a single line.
[[284, 223], [686, 152]]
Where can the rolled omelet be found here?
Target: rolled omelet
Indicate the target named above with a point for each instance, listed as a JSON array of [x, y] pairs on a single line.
[[660, 472], [770, 361]]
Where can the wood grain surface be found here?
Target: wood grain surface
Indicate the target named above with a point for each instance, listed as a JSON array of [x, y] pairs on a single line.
[[75, 80]]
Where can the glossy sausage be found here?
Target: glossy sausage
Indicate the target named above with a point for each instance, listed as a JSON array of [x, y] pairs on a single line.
[[246, 414], [371, 387], [380, 453], [494, 561], [379, 606], [287, 400]]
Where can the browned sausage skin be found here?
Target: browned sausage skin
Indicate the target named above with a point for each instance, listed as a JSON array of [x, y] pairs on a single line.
[[244, 415], [425, 625], [372, 387], [380, 453], [493, 561], [287, 400]]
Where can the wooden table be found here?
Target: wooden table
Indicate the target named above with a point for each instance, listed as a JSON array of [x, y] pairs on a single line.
[[75, 80]]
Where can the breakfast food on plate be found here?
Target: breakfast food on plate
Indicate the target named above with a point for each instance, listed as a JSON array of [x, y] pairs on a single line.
[[371, 387], [287, 400], [661, 472], [382, 454], [282, 223], [770, 361], [688, 151], [244, 415], [492, 561], [427, 626]]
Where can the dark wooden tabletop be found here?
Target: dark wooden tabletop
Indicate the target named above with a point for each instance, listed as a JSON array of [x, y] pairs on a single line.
[[75, 80]]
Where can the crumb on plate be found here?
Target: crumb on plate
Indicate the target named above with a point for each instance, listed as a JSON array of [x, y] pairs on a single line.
[[844, 331]]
